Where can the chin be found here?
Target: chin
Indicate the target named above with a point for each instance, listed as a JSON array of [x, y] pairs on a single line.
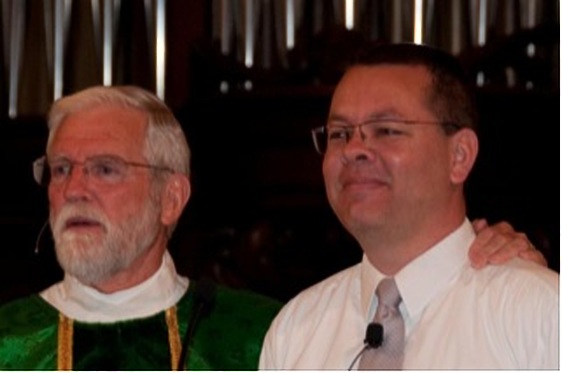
[[71, 247], [361, 217], [80, 242], [85, 260]]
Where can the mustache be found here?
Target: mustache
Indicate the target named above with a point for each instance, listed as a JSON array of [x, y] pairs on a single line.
[[77, 214]]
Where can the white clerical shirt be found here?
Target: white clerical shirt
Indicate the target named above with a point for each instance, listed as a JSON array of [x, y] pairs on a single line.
[[83, 303]]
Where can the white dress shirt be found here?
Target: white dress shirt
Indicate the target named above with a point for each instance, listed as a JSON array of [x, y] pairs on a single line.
[[456, 317], [83, 303]]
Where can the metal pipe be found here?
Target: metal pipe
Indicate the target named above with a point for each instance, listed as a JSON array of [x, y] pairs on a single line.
[[107, 64], [16, 49], [96, 23], [58, 56], [509, 16], [149, 19], [349, 14], [48, 27], [225, 27], [456, 26], [248, 33], [529, 8], [482, 22], [6, 23], [290, 24], [429, 14], [418, 21], [396, 34], [161, 48], [115, 19]]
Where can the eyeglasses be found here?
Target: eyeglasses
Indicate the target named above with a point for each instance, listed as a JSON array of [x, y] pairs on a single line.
[[102, 170], [383, 131]]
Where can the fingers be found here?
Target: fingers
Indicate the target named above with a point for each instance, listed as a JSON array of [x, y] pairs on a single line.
[[497, 244], [477, 253], [479, 224], [500, 243], [535, 256], [506, 247]]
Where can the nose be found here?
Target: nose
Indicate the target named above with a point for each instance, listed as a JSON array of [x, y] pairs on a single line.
[[356, 148], [76, 186]]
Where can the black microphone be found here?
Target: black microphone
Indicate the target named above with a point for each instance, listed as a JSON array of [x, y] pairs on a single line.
[[38, 240], [204, 300], [374, 335], [373, 339]]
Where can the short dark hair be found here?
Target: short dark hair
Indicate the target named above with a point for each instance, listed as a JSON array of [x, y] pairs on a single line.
[[451, 97]]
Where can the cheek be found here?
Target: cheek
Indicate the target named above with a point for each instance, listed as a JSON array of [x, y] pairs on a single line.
[[137, 200], [124, 206], [330, 170], [427, 170], [56, 199]]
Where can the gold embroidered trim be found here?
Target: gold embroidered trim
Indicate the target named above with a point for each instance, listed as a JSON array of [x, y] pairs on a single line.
[[65, 334], [173, 335]]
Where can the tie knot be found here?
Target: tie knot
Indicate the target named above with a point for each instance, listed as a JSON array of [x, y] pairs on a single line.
[[387, 293]]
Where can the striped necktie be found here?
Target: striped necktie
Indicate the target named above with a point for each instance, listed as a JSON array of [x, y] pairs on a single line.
[[390, 354]]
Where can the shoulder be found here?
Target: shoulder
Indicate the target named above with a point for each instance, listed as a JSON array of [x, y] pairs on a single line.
[[520, 300], [230, 301], [519, 277], [31, 310], [312, 317], [530, 284], [331, 293], [325, 291], [28, 327], [513, 291], [230, 335], [233, 309]]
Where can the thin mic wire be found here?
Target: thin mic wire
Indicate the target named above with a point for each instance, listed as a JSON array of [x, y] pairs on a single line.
[[365, 348], [36, 251]]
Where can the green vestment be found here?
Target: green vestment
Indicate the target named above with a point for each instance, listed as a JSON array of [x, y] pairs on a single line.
[[228, 338]]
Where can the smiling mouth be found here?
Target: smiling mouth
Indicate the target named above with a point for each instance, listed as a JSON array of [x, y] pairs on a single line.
[[364, 184]]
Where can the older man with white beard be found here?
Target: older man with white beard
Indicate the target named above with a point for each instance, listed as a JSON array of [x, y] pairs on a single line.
[[117, 170]]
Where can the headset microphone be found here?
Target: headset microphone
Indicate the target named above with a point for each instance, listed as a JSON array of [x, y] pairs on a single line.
[[38, 240]]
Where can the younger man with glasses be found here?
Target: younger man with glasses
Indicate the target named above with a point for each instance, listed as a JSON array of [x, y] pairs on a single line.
[[398, 146]]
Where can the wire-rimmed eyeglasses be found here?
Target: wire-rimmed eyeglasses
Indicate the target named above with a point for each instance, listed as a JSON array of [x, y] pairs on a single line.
[[102, 169], [335, 136]]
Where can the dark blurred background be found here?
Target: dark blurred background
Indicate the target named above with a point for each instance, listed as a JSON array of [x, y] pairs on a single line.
[[248, 79]]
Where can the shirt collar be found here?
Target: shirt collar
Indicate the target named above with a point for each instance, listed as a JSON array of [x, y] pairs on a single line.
[[370, 278], [78, 301], [424, 277]]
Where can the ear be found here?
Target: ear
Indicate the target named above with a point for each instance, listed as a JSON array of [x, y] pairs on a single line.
[[464, 149], [175, 194]]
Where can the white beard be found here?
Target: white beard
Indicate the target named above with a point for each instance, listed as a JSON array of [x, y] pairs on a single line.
[[96, 257]]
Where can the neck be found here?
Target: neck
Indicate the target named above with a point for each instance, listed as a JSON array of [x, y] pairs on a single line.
[[141, 269], [391, 250]]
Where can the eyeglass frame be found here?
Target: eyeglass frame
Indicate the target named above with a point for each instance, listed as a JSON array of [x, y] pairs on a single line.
[[449, 127], [38, 166]]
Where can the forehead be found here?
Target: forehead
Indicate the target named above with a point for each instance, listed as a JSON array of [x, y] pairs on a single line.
[[364, 89], [101, 129]]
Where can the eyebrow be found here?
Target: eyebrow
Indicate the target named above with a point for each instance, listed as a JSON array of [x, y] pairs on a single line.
[[388, 113], [96, 156], [385, 114]]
